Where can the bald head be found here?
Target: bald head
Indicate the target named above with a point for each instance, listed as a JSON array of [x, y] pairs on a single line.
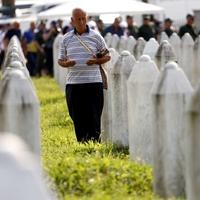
[[77, 11], [79, 19]]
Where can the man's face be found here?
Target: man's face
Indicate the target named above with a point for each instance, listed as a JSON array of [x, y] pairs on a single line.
[[190, 20], [79, 20], [146, 21], [130, 21], [32, 25], [168, 24]]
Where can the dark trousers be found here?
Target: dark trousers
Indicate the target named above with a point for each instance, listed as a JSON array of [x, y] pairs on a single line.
[[49, 60], [85, 104], [31, 64]]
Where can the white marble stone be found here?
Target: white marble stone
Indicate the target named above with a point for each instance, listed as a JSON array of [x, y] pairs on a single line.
[[163, 36], [164, 54], [61, 72], [115, 42], [140, 109], [197, 61], [15, 44], [13, 54], [128, 63], [139, 47], [114, 57], [122, 43], [151, 48], [20, 172], [106, 119], [19, 108], [130, 44], [175, 41], [108, 39], [170, 93], [116, 104], [16, 64], [192, 147], [56, 47], [187, 53]]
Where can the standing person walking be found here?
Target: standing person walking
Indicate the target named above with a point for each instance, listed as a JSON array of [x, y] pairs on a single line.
[[168, 28], [146, 30], [131, 29], [84, 87], [188, 27]]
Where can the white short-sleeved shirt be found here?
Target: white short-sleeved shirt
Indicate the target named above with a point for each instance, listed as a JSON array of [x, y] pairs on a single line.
[[72, 49]]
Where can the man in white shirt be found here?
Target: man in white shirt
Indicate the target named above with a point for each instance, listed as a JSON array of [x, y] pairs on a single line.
[[84, 88]]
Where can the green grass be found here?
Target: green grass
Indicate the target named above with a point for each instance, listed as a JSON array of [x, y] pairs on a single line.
[[85, 171]]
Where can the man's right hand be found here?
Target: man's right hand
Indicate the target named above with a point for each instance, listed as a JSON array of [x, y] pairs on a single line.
[[66, 63]]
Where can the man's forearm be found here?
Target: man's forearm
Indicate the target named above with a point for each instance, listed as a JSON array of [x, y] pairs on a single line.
[[103, 60], [66, 63]]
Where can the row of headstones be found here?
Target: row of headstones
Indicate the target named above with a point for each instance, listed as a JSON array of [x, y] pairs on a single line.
[[153, 129], [156, 113], [185, 51], [19, 105], [60, 73], [20, 166]]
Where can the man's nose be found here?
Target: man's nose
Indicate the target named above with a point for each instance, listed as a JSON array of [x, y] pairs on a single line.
[[82, 21]]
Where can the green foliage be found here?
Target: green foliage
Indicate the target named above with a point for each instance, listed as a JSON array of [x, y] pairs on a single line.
[[85, 171]]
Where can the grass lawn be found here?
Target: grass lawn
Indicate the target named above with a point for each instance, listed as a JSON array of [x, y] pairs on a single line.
[[79, 171]]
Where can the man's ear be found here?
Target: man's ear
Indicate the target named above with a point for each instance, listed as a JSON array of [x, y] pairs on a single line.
[[72, 21]]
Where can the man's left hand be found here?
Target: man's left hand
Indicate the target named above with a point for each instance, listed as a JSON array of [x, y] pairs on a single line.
[[91, 61]]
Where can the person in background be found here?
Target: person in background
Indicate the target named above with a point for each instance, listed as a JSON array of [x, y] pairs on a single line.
[[146, 30], [115, 28], [59, 25], [131, 28], [66, 27], [30, 48], [3, 29], [100, 26], [49, 37], [14, 29], [93, 25], [168, 28], [188, 27], [84, 87], [156, 26], [40, 62]]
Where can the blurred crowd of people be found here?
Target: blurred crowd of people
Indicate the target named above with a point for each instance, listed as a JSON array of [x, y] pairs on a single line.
[[37, 44], [37, 41], [151, 27]]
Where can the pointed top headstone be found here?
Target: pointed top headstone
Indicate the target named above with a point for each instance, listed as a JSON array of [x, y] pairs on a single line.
[[163, 36], [131, 42], [172, 80], [151, 48], [21, 177], [187, 39], [115, 41], [128, 61], [175, 39], [144, 70], [108, 39]]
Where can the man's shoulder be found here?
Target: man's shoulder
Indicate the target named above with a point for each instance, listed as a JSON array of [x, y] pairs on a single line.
[[68, 35], [95, 34], [184, 27]]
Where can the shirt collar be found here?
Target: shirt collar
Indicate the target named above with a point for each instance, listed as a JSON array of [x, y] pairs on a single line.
[[87, 30]]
